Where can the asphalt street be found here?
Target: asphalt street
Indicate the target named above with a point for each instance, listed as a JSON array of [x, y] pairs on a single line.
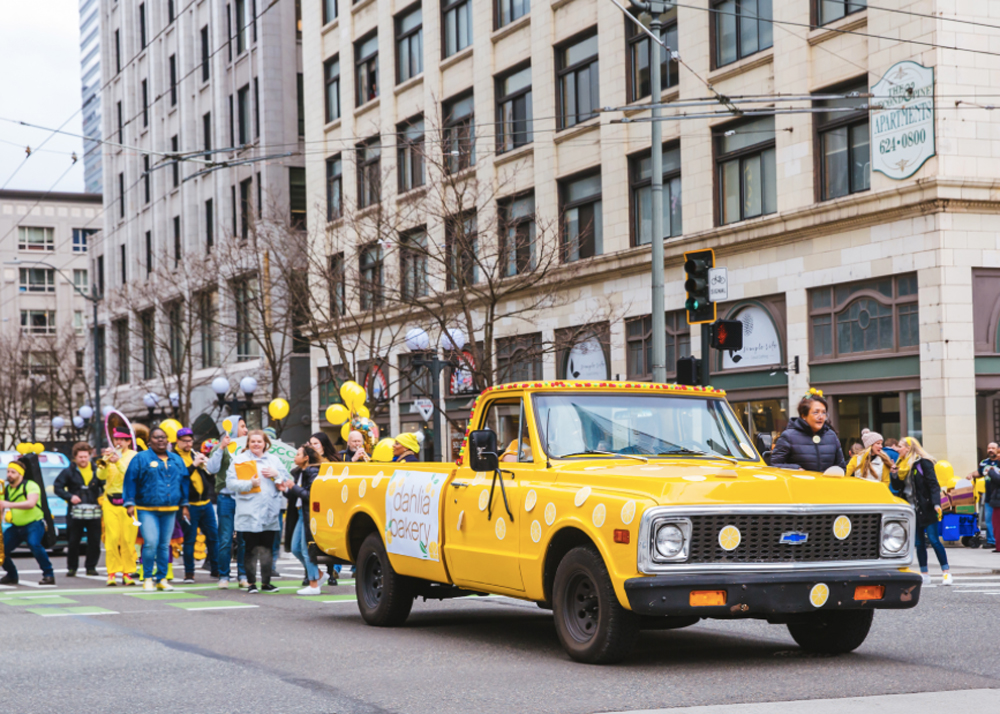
[[83, 647]]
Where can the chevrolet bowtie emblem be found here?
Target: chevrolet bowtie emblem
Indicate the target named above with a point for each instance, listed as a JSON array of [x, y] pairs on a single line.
[[794, 538]]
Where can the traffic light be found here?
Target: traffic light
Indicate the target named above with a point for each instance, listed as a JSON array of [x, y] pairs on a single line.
[[700, 308], [727, 335]]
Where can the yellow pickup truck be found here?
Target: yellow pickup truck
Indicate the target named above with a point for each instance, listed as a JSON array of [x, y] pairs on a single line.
[[621, 507]]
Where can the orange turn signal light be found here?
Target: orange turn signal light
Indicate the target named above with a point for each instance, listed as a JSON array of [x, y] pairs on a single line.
[[869, 592], [621, 536], [707, 598]]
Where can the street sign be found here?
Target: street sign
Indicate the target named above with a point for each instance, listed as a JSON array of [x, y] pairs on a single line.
[[718, 284], [902, 120], [425, 407]]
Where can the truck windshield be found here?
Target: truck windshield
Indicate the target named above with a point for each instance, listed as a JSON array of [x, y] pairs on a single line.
[[580, 425]]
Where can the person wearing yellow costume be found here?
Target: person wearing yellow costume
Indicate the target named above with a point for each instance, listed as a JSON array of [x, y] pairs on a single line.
[[119, 531], [199, 512]]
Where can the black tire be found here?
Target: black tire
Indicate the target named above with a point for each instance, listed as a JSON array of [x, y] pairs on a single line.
[[592, 625], [835, 632], [385, 598]]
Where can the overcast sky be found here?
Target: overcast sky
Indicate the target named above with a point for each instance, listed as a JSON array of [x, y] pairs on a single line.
[[40, 83]]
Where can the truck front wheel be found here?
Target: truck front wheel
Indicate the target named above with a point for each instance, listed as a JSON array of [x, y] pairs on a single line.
[[835, 632], [592, 625], [384, 597]]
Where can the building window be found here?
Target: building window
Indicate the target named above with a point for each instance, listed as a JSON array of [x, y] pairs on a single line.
[[413, 263], [100, 274], [147, 325], [118, 52], [120, 124], [457, 26], [366, 69], [100, 356], [241, 26], [334, 188], [582, 229], [459, 132], [329, 11], [173, 80], [331, 78], [37, 280], [641, 181], [300, 98], [177, 241], [206, 54], [409, 44], [81, 239], [175, 166], [243, 113], [514, 109], [509, 10], [369, 158], [232, 122], [372, 269], [517, 234], [519, 358], [142, 25], [206, 131], [149, 252], [209, 225], [32, 238], [871, 316], [208, 317], [229, 32], [246, 207], [742, 27], [80, 281], [410, 160], [338, 290], [256, 106], [121, 195], [122, 346], [462, 250], [844, 151], [146, 179], [746, 170], [38, 322], [79, 325], [244, 293], [123, 266], [577, 71], [830, 10], [145, 103], [638, 56], [639, 344], [175, 326], [296, 196]]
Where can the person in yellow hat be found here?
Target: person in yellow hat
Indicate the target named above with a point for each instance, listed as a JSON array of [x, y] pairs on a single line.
[[406, 448], [120, 532], [21, 497]]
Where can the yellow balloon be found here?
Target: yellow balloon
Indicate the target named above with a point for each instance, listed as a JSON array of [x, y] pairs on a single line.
[[23, 448], [38, 448], [345, 431], [337, 414], [363, 411], [170, 426], [383, 450], [353, 395], [278, 408]]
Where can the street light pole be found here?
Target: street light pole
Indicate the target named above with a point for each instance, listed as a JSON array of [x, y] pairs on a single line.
[[659, 317]]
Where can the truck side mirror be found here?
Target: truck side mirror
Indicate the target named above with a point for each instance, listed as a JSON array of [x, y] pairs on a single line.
[[483, 450]]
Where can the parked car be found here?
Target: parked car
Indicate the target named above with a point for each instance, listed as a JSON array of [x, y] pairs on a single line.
[[52, 463]]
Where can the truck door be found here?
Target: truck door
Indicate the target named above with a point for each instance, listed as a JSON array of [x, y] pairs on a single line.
[[480, 548]]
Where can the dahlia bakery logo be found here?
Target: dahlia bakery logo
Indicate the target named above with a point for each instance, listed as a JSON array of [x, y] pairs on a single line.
[[412, 508]]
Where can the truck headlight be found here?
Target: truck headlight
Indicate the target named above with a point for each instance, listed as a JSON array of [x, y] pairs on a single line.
[[894, 538], [671, 539]]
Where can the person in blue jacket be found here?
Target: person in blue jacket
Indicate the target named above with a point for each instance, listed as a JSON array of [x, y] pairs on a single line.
[[155, 488]]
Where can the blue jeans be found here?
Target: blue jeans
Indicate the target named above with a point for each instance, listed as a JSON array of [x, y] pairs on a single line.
[[201, 517], [930, 533], [32, 534], [277, 541], [990, 535], [156, 528], [300, 549], [227, 517]]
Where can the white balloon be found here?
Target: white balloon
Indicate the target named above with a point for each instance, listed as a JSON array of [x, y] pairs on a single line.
[[58, 423], [86, 411], [78, 422], [220, 385], [417, 339], [453, 339], [248, 385]]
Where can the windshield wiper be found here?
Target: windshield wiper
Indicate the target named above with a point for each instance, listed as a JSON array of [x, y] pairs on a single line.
[[693, 452], [643, 459]]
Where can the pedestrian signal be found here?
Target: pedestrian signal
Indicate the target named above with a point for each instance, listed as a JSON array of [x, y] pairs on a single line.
[[700, 309], [727, 335]]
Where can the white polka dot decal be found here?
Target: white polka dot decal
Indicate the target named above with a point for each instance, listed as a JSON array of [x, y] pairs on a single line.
[[461, 517], [484, 499], [312, 526], [581, 496], [362, 487], [329, 518], [628, 512], [599, 515], [550, 514], [536, 531], [765, 477], [694, 478], [529, 501], [343, 475], [377, 480], [344, 493], [501, 528]]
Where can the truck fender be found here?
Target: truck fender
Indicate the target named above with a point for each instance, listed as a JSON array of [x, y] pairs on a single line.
[[571, 534]]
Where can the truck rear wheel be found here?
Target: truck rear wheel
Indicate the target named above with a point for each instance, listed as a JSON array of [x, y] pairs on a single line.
[[835, 632], [385, 598], [592, 625]]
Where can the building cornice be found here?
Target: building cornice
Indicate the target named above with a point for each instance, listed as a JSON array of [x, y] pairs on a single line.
[[50, 197]]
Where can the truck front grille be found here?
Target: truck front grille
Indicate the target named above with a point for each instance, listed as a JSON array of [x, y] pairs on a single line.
[[761, 536]]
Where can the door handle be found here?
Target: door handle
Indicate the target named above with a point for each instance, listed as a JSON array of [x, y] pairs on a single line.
[[459, 484]]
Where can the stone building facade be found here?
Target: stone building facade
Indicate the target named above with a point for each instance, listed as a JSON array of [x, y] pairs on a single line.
[[883, 292]]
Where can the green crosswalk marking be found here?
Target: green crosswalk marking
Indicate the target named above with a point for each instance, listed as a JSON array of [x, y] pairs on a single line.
[[166, 596], [47, 600], [328, 598], [67, 611], [212, 605]]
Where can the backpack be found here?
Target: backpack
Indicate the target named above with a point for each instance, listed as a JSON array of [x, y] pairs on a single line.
[[33, 472]]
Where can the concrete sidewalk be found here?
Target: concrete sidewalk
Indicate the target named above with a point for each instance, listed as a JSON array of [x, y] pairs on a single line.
[[965, 561]]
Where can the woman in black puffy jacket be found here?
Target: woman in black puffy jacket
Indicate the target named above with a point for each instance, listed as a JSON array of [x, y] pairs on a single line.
[[306, 470], [809, 442]]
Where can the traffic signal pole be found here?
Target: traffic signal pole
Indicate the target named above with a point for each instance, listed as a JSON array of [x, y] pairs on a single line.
[[705, 352], [659, 317]]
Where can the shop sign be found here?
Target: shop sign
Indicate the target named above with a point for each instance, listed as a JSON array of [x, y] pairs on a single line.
[[761, 345], [902, 120], [586, 360], [462, 380]]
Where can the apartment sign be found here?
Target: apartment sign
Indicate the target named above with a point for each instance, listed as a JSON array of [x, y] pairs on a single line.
[[902, 120]]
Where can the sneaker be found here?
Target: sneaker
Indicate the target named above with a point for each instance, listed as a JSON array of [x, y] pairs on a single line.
[[127, 579], [92, 572], [8, 580], [946, 578], [223, 583], [70, 573], [135, 576], [309, 590], [47, 580], [164, 585], [244, 583], [269, 588], [112, 581], [926, 578], [188, 579], [148, 585], [251, 590]]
